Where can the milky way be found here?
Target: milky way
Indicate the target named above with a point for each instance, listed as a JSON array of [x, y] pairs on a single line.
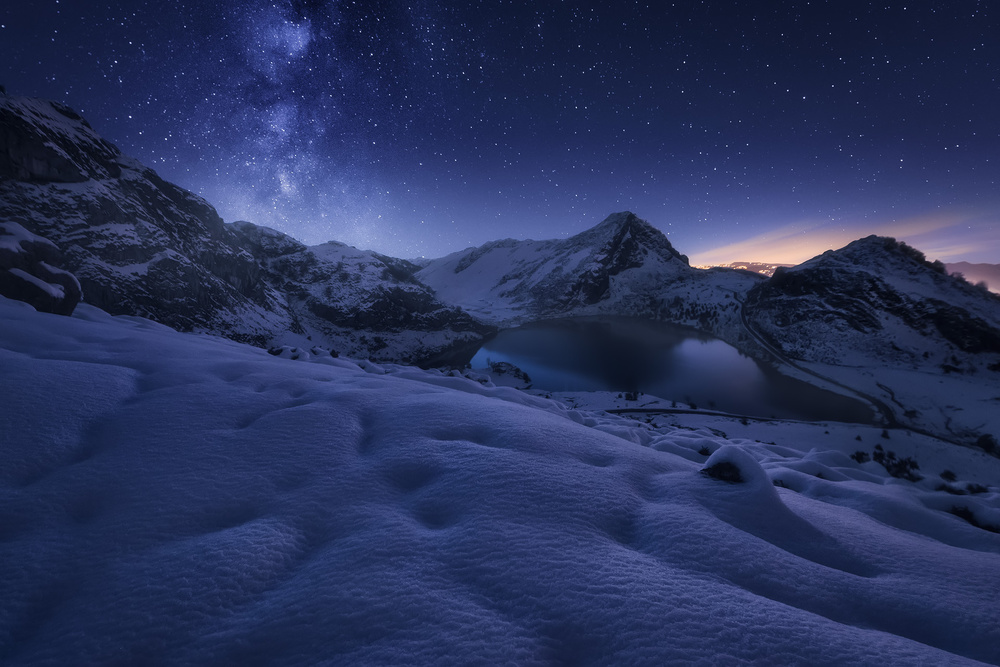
[[419, 128]]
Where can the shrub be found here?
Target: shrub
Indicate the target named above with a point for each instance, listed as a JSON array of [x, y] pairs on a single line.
[[987, 443], [902, 468]]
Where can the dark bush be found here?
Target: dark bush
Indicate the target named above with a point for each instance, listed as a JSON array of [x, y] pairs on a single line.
[[987, 443], [948, 476], [902, 468], [861, 457]]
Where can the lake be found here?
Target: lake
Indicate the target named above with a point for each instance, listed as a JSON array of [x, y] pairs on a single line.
[[668, 361]]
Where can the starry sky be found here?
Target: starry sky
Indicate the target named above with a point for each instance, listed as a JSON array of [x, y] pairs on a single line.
[[761, 131]]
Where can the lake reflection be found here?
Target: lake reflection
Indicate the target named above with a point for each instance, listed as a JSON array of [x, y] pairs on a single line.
[[621, 354]]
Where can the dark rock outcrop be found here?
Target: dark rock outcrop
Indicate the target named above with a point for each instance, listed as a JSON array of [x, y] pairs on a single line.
[[29, 272], [880, 293]]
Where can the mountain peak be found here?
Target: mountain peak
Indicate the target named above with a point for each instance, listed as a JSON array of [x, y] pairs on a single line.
[[627, 231], [878, 253]]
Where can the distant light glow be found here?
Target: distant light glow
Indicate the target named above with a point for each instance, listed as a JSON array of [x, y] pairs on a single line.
[[950, 237]]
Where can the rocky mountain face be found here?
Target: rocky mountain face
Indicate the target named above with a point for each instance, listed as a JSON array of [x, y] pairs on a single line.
[[358, 299], [878, 318], [29, 272], [137, 244], [142, 246], [878, 298]]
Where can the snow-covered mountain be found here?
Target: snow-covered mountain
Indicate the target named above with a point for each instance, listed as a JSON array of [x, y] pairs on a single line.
[[357, 300], [874, 318], [623, 266], [142, 246], [879, 316], [179, 499]]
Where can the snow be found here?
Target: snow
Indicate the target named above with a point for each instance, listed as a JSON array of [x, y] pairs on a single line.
[[13, 235], [55, 291], [182, 498]]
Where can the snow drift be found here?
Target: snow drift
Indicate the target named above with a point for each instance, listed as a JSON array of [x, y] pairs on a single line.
[[179, 498]]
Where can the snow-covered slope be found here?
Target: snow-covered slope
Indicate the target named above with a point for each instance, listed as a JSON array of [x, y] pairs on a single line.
[[359, 301], [876, 315], [142, 246], [177, 498], [623, 266]]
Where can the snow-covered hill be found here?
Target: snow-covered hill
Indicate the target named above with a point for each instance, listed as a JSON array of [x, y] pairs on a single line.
[[880, 318], [142, 246], [179, 498]]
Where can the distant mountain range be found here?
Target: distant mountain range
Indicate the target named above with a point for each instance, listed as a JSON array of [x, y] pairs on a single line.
[[976, 273], [873, 317], [763, 268]]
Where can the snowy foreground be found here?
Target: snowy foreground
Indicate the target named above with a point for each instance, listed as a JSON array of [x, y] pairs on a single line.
[[175, 498]]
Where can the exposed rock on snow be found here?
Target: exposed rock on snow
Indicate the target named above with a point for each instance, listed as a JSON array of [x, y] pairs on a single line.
[[29, 271], [877, 292], [138, 244]]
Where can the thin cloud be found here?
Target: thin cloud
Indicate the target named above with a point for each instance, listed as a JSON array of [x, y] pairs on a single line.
[[949, 236]]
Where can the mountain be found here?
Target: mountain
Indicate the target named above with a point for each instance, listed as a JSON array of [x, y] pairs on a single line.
[[357, 300], [881, 317], [137, 244], [623, 266], [874, 295], [142, 246], [975, 273]]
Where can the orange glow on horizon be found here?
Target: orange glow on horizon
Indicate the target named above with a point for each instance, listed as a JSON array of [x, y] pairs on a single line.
[[949, 236]]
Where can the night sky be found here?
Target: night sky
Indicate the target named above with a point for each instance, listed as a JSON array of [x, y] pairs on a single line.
[[744, 130]]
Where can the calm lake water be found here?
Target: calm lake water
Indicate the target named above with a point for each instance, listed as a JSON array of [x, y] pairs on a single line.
[[621, 354]]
